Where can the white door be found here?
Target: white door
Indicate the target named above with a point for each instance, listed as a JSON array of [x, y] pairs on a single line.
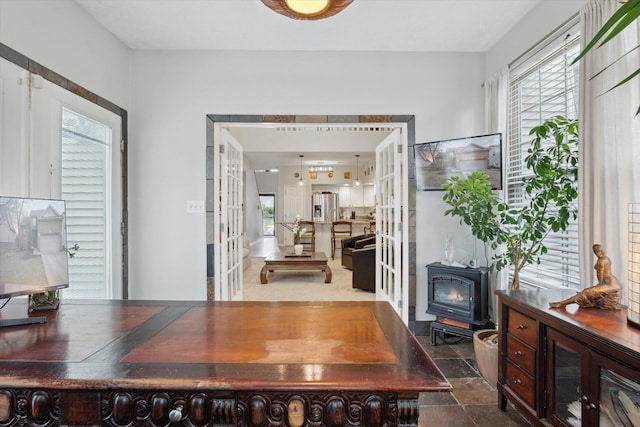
[[58, 145], [228, 216], [392, 228]]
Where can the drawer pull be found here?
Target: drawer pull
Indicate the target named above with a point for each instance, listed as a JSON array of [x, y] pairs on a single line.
[[518, 353], [517, 382], [592, 406], [176, 414], [521, 327]]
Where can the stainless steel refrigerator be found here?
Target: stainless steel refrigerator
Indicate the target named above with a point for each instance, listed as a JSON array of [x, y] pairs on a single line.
[[324, 207]]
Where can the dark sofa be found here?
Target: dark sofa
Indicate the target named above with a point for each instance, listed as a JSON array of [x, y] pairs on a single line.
[[352, 243]]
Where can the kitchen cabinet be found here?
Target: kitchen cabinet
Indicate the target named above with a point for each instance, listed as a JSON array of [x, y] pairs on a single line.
[[344, 197], [356, 196], [369, 196], [567, 367]]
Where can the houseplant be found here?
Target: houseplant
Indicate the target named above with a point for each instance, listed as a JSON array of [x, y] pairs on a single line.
[[516, 235], [550, 190]]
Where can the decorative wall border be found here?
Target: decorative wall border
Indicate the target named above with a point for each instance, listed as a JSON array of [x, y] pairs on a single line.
[[409, 120]]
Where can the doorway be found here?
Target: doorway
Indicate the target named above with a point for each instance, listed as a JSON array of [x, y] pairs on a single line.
[[268, 205], [290, 122]]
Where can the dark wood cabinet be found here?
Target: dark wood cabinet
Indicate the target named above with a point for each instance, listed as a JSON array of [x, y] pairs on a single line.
[[567, 367]]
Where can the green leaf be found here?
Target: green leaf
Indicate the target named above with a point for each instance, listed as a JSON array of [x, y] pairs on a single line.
[[627, 18]]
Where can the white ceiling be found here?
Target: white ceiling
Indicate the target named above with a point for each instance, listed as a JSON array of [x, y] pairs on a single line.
[[366, 25]]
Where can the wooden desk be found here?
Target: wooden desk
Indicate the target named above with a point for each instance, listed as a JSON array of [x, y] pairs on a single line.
[[206, 363], [280, 261]]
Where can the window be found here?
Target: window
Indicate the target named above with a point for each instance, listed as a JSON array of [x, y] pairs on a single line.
[[85, 176], [543, 85]]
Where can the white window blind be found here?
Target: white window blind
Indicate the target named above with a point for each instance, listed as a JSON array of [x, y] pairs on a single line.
[[543, 85], [84, 174]]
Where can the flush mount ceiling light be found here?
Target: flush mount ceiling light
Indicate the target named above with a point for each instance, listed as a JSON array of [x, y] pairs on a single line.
[[307, 9]]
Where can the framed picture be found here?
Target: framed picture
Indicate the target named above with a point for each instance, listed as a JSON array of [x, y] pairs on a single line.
[[436, 161]]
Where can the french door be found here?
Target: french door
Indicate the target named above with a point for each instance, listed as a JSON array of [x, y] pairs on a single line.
[[228, 196], [392, 225]]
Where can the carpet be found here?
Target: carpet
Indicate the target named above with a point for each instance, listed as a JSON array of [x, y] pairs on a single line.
[[301, 285]]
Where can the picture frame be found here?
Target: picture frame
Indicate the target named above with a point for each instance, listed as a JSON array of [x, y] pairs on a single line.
[[437, 161]]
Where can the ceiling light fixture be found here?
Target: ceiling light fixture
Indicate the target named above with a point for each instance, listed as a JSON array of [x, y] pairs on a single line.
[[307, 9], [301, 182], [321, 169], [357, 183]]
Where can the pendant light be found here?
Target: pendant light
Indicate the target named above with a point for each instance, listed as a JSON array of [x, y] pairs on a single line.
[[357, 183], [301, 182]]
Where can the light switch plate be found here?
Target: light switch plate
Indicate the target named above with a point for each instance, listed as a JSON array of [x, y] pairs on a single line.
[[195, 206]]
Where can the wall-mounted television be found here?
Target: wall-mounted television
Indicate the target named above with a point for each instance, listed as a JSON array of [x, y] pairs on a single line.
[[33, 242], [438, 160]]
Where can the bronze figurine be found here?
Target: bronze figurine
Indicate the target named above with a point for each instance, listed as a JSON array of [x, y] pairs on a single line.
[[603, 295]]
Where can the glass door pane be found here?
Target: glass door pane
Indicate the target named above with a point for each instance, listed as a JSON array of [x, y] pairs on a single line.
[[268, 203], [85, 176], [619, 400], [567, 385]]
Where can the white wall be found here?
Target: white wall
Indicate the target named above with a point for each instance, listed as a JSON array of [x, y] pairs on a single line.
[[170, 93], [541, 21], [64, 38], [252, 207], [173, 91]]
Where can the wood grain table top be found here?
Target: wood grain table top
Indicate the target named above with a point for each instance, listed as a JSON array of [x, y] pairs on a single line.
[[223, 346]]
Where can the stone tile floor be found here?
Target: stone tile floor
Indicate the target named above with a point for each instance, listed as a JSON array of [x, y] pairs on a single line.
[[473, 402]]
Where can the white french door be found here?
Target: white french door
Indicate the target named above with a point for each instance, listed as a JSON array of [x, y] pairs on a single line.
[[228, 196], [392, 225]]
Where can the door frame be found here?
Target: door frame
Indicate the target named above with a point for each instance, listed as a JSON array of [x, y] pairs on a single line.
[[237, 119], [36, 68]]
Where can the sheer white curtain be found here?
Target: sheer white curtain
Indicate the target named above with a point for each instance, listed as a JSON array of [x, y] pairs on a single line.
[[609, 144], [496, 91]]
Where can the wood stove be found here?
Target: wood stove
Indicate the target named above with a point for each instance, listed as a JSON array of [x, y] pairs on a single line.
[[459, 297]]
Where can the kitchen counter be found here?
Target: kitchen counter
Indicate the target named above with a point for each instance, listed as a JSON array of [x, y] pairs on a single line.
[[323, 233]]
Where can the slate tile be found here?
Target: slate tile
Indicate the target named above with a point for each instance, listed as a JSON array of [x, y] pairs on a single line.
[[444, 416], [473, 391], [491, 416], [456, 368]]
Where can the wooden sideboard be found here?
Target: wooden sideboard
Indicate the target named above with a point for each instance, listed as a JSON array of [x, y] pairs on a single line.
[[131, 363], [570, 366]]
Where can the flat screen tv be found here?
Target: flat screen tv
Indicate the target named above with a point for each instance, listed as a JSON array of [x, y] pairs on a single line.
[[33, 242], [438, 160]]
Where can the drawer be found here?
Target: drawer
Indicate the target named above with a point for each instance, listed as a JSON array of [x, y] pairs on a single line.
[[523, 327], [521, 354], [521, 383]]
